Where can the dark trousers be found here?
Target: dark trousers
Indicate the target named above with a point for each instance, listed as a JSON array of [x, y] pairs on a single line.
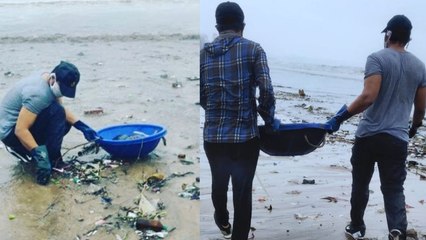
[[390, 153], [49, 129], [237, 161]]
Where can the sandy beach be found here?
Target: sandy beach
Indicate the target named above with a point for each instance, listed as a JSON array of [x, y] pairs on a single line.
[[318, 211], [135, 59]]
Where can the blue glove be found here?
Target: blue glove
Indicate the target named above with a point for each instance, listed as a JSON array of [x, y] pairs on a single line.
[[276, 124], [341, 116], [43, 169], [88, 132], [273, 126]]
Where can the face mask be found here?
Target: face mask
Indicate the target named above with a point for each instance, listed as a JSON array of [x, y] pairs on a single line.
[[387, 38], [55, 89]]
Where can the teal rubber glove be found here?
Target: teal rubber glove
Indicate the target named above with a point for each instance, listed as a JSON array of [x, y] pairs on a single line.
[[43, 168], [88, 132], [341, 116]]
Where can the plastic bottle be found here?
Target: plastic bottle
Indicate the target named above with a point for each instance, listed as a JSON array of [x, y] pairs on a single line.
[[144, 224]]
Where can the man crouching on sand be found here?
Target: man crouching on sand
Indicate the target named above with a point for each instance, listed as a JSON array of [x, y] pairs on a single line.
[[33, 122], [394, 80]]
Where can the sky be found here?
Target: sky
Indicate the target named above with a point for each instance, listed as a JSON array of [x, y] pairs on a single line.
[[331, 32]]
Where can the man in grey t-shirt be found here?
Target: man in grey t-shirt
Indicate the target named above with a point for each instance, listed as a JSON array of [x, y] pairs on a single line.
[[33, 121], [394, 80]]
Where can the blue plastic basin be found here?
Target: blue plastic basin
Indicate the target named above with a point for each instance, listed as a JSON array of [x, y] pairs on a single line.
[[131, 149]]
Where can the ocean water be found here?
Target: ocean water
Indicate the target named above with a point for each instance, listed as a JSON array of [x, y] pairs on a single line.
[[47, 21]]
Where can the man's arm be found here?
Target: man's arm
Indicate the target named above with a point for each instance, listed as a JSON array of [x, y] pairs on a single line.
[[22, 130], [362, 102], [419, 106], [266, 100], [368, 95], [69, 116]]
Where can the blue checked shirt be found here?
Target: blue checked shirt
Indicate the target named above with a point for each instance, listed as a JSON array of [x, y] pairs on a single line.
[[231, 67]]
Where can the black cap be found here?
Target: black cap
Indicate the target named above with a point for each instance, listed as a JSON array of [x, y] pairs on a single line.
[[398, 23], [229, 15], [67, 76]]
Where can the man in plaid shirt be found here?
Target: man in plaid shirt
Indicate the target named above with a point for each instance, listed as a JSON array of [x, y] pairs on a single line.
[[231, 67]]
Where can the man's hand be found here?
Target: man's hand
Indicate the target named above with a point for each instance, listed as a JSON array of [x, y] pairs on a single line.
[[337, 119], [88, 132], [273, 126], [43, 168], [413, 130]]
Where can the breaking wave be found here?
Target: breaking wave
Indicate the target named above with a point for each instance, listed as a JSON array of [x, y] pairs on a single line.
[[58, 38]]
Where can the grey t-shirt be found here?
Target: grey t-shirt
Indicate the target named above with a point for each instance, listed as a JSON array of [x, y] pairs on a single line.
[[32, 92], [402, 73]]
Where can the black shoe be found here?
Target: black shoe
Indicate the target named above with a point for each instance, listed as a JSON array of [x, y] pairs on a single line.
[[225, 229], [61, 165], [395, 234], [355, 232]]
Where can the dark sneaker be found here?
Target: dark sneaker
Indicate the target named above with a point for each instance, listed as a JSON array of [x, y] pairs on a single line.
[[225, 229], [355, 232], [61, 165], [395, 234]]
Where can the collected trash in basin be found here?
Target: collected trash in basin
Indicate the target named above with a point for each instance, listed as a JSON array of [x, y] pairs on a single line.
[[131, 141]]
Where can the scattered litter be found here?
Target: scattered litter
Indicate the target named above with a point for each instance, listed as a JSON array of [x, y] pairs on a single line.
[[149, 234], [145, 224], [91, 177], [412, 233], [192, 192], [145, 206], [294, 192], [156, 181], [181, 156], [186, 162], [12, 217], [9, 74], [269, 208], [381, 210], [300, 217], [261, 199], [302, 93], [92, 148], [177, 84], [96, 111], [307, 181], [330, 199], [195, 78]]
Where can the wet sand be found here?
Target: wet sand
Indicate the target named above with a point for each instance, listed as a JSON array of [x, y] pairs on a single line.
[[130, 54], [302, 211]]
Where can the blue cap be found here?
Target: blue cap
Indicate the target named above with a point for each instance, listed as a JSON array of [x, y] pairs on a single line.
[[67, 76]]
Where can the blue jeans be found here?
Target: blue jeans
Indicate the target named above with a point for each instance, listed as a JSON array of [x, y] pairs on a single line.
[[237, 161], [390, 153], [49, 129]]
